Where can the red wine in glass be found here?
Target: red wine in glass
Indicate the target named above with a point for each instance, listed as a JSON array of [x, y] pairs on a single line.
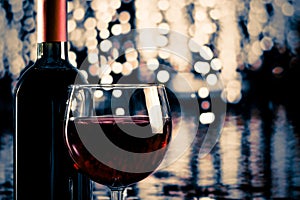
[[116, 128]]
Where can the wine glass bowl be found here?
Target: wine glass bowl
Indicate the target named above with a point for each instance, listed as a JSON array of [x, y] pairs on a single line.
[[117, 134]]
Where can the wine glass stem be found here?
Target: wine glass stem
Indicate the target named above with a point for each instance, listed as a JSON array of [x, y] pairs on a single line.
[[117, 194]]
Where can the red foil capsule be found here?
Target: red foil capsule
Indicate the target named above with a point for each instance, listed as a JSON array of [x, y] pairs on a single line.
[[51, 21]]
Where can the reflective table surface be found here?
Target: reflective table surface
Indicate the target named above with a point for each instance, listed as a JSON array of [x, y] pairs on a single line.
[[256, 157]]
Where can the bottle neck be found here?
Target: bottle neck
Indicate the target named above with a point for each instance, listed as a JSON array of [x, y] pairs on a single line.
[[52, 29], [52, 50]]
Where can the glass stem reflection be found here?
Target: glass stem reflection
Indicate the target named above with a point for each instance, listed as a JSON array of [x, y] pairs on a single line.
[[116, 193]]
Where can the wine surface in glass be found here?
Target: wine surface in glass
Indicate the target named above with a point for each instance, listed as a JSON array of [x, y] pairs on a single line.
[[122, 133]]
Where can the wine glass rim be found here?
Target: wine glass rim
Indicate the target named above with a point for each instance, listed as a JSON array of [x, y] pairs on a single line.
[[117, 85]]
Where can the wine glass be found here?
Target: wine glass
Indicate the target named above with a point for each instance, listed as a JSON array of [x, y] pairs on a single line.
[[117, 134]]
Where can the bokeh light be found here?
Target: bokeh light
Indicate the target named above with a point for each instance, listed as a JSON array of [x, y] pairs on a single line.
[[120, 111], [203, 92], [199, 37], [163, 76], [207, 118]]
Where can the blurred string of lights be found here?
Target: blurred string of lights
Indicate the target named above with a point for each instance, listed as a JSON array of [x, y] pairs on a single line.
[[219, 36]]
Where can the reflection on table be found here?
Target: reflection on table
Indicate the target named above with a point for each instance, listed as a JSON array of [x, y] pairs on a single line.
[[256, 156]]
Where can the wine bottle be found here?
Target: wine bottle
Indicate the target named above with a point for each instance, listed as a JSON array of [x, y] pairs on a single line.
[[42, 166]]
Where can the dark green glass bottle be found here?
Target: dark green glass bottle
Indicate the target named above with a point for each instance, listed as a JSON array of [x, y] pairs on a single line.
[[43, 168]]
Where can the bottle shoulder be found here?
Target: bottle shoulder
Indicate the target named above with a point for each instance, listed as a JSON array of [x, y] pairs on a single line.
[[46, 72]]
